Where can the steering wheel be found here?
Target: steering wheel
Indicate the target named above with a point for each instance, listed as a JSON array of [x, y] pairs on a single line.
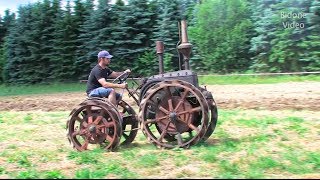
[[121, 78]]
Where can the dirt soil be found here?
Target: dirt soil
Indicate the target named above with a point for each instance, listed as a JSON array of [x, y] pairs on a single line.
[[293, 96]]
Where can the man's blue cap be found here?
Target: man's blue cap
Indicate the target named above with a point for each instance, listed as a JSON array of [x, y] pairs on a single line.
[[105, 54]]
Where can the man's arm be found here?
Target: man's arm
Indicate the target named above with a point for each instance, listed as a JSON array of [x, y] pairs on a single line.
[[106, 84], [116, 74]]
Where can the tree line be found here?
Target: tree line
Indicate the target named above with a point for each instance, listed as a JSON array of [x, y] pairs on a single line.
[[45, 42]]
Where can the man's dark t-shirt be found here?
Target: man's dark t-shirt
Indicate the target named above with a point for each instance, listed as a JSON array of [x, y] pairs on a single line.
[[97, 73]]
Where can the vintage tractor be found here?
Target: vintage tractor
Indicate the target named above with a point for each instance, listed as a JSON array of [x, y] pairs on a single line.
[[174, 111]]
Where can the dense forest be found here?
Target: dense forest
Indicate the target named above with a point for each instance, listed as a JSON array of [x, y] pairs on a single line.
[[49, 42]]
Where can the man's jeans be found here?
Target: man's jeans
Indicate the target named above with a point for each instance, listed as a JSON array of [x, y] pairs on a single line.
[[102, 92]]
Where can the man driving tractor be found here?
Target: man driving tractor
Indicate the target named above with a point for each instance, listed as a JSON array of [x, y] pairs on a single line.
[[97, 86]]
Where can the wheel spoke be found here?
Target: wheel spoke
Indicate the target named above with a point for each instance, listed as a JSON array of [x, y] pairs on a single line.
[[168, 92], [182, 112], [182, 99], [153, 121], [109, 125], [106, 124], [162, 135], [197, 109], [90, 119], [84, 123], [97, 120], [164, 132], [109, 138], [193, 127], [179, 119], [163, 110], [88, 109], [170, 104], [162, 118], [86, 143], [80, 132], [99, 132], [169, 95]]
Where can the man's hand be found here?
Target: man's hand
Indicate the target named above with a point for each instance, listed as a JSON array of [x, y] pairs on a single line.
[[127, 71], [123, 85]]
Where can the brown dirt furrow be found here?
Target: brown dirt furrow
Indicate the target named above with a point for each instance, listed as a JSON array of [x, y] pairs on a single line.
[[295, 96]]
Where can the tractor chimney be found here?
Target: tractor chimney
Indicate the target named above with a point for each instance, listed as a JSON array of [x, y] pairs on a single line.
[[160, 49], [185, 47]]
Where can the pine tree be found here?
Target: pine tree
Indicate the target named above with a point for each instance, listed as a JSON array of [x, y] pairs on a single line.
[[30, 45], [166, 30], [17, 45], [136, 28], [82, 12], [5, 24], [120, 35], [260, 44], [65, 39], [311, 44], [280, 47], [187, 9], [86, 49]]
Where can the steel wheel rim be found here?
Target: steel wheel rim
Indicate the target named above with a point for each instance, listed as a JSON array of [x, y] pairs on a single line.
[[180, 140], [102, 129], [129, 123], [213, 118]]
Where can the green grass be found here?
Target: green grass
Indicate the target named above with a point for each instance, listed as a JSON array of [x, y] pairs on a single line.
[[228, 169], [2, 170], [100, 171], [148, 161], [10, 90], [54, 174], [257, 122], [265, 162], [314, 159], [28, 174], [87, 157], [224, 80], [13, 90], [34, 145]]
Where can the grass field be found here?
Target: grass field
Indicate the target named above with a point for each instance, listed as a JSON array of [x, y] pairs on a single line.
[[246, 144], [233, 79]]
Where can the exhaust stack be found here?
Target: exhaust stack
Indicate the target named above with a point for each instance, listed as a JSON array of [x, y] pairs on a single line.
[[160, 49], [185, 47]]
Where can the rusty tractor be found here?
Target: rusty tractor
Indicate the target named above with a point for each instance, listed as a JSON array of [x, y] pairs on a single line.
[[174, 111]]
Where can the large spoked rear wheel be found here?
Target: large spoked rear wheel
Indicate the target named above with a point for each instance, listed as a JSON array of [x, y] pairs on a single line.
[[94, 123], [174, 114]]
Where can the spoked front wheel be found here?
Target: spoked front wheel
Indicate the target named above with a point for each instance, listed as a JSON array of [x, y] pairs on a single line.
[[93, 124]]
